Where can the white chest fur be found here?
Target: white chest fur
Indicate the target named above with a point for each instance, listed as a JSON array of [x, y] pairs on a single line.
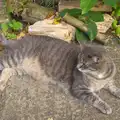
[[96, 85]]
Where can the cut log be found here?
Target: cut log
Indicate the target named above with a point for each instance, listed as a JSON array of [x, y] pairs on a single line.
[[33, 13]]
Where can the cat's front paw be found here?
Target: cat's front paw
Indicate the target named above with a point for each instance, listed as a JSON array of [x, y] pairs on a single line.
[[103, 107], [114, 90]]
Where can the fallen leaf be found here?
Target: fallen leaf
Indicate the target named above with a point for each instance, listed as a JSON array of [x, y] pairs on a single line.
[[57, 20], [22, 34]]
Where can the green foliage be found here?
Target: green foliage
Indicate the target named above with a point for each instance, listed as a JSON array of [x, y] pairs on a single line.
[[117, 12], [80, 36], [114, 24], [73, 12], [89, 19], [111, 2], [91, 26], [4, 27], [95, 16], [86, 5], [63, 12], [116, 16], [15, 25], [10, 29], [117, 30], [92, 29], [10, 36]]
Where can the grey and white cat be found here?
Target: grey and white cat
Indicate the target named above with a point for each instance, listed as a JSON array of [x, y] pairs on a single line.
[[87, 69]]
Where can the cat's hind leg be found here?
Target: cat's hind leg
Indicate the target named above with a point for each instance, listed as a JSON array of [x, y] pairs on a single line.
[[91, 98], [6, 74], [111, 87]]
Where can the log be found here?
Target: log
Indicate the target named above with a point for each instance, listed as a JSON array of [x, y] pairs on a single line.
[[34, 12], [3, 14]]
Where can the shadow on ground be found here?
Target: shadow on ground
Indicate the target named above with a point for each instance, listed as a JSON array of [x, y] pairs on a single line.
[[25, 99]]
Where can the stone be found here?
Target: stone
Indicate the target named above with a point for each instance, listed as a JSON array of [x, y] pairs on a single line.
[[105, 25], [62, 30]]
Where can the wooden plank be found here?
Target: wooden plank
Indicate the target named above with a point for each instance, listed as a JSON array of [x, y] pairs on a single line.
[[76, 4]]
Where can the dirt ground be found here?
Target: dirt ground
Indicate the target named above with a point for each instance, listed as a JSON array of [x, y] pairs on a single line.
[[25, 99]]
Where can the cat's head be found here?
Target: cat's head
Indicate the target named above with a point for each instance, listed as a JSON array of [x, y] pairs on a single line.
[[92, 61]]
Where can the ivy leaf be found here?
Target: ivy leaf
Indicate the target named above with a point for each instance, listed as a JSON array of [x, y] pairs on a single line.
[[111, 2], [10, 24], [82, 18], [73, 12], [63, 12], [4, 27], [92, 29], [11, 36], [80, 36], [91, 25], [15, 25], [95, 16], [117, 12], [86, 5]]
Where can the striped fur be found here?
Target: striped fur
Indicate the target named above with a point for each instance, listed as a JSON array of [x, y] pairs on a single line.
[[87, 68], [54, 56]]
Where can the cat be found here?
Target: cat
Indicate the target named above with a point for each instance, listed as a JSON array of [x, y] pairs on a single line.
[[86, 68]]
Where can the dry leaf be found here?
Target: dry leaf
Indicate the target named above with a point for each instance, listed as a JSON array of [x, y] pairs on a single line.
[[22, 34]]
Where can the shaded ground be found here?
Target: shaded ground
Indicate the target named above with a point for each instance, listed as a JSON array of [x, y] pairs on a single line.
[[25, 99]]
